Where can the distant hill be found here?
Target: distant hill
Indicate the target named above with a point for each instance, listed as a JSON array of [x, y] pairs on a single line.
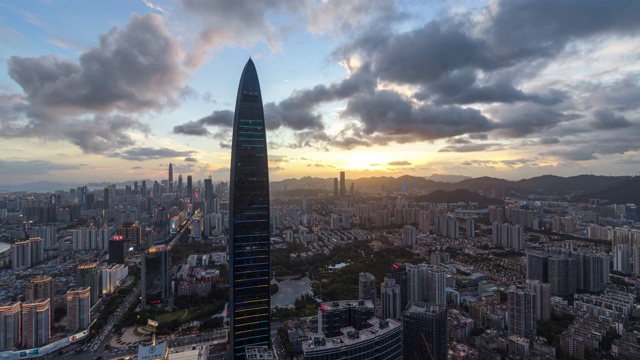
[[626, 191], [550, 184], [447, 178]]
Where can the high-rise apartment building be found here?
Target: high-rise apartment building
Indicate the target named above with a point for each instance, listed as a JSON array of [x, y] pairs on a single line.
[[522, 312], [78, 309], [40, 287], [543, 298], [10, 329], [131, 233], [36, 323], [367, 287], [87, 276], [399, 274], [21, 254], [537, 266], [563, 275], [390, 299], [249, 251], [425, 331], [156, 277]]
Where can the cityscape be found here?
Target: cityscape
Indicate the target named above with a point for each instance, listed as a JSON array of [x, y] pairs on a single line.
[[397, 180]]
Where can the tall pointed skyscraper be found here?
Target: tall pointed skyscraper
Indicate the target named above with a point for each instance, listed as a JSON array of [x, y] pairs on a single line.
[[170, 178], [249, 268]]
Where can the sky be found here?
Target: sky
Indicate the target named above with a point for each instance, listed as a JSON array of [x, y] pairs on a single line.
[[94, 91]]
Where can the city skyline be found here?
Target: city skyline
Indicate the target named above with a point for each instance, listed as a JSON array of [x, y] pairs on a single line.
[[393, 88]]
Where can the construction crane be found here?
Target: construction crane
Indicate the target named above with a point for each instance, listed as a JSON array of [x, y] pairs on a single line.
[[426, 343]]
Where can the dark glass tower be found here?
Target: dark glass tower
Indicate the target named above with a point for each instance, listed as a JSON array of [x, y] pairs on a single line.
[[249, 268]]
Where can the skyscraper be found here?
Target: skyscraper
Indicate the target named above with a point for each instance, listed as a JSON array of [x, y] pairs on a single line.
[[87, 276], [78, 309], [36, 323], [367, 287], [343, 184], [190, 188], [10, 331], [249, 268], [40, 287], [170, 187], [156, 277], [425, 331], [390, 299], [522, 312]]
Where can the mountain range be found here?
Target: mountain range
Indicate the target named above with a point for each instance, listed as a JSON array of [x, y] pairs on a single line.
[[615, 189]]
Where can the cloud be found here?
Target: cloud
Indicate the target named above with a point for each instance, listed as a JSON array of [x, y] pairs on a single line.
[[134, 69], [242, 22], [549, 140], [493, 163], [147, 153], [399, 163], [470, 147], [136, 168], [220, 118], [605, 119], [34, 167], [190, 159]]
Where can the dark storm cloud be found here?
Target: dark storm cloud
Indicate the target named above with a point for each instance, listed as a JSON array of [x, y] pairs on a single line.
[[399, 163], [133, 69], [525, 119], [605, 119], [147, 153]]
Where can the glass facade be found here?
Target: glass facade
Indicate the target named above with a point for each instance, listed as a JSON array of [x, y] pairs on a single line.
[[156, 280], [425, 331], [249, 268]]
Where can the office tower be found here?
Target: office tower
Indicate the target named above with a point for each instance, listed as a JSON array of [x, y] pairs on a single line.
[[336, 315], [622, 258], [105, 197], [10, 330], [537, 266], [352, 190], [471, 227], [522, 312], [170, 181], [249, 270], [343, 184], [436, 280], [425, 331], [367, 287], [83, 197], [180, 185], [143, 188], [381, 339], [408, 235], [543, 298], [36, 323], [156, 277], [390, 299], [399, 274], [335, 187], [118, 250], [40, 287], [208, 195], [190, 188], [87, 276], [131, 233], [562, 275], [78, 309]]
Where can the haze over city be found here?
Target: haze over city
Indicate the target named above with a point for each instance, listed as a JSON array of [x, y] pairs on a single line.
[[104, 91]]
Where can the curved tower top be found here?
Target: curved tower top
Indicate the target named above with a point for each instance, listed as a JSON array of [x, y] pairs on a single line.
[[249, 267]]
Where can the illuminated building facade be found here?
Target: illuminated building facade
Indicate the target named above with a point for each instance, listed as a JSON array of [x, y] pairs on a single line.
[[10, 330], [249, 268], [87, 276], [36, 323], [78, 309]]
